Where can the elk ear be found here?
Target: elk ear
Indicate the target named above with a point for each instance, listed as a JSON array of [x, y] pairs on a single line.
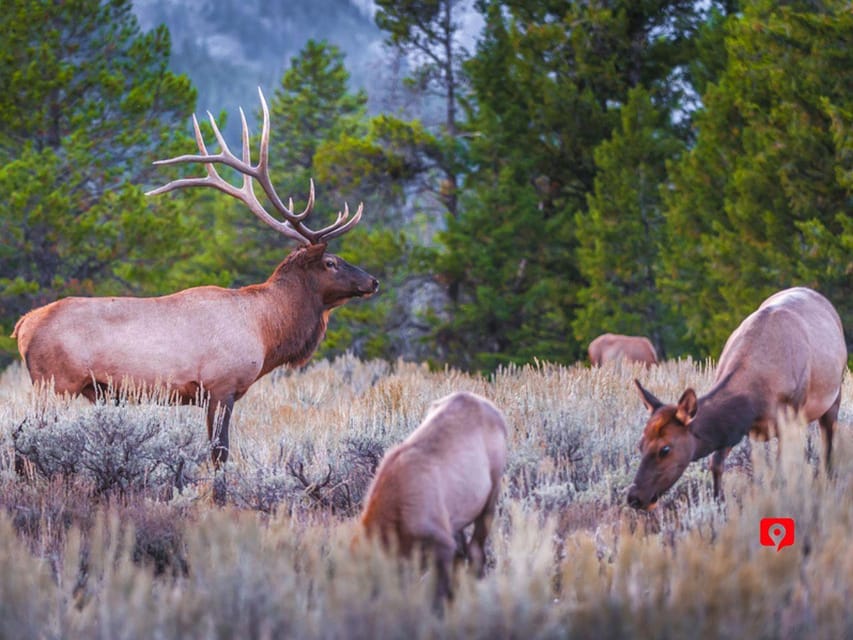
[[316, 251], [651, 402], [687, 406], [308, 254]]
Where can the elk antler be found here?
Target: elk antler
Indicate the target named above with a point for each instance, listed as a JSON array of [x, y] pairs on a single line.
[[292, 225]]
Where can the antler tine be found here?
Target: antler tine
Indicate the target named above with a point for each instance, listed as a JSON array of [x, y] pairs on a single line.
[[264, 151], [244, 137], [292, 225], [341, 217], [266, 183], [212, 174], [338, 228], [247, 155], [310, 205], [224, 150]]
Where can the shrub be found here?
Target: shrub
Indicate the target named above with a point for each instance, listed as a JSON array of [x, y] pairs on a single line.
[[99, 542]]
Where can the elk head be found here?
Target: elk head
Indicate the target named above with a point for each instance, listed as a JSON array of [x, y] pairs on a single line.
[[333, 277], [667, 447]]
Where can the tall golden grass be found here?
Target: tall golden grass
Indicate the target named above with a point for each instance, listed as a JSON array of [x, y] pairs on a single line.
[[99, 550]]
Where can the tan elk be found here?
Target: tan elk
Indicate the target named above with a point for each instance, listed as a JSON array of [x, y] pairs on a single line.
[[205, 343], [443, 477], [612, 347], [788, 355]]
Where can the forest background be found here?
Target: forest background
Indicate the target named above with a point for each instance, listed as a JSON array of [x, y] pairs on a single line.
[[533, 172]]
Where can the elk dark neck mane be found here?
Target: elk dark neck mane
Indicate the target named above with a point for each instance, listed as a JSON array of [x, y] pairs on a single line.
[[722, 419], [294, 319]]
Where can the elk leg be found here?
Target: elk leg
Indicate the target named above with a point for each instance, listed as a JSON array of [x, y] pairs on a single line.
[[97, 393], [461, 547], [718, 458], [827, 428], [477, 551], [90, 393], [217, 433], [444, 552]]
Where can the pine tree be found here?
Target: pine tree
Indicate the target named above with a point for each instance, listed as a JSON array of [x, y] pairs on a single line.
[[620, 236], [427, 32], [761, 203], [383, 167], [312, 104], [88, 104], [548, 82]]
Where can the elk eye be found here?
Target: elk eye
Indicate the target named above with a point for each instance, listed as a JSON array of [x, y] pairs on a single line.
[[664, 451], [330, 263]]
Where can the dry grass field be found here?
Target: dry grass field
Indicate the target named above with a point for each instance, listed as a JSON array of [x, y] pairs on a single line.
[[109, 529]]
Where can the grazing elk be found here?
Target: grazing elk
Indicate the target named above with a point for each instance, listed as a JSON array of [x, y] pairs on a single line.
[[443, 477], [787, 355], [205, 343], [611, 347]]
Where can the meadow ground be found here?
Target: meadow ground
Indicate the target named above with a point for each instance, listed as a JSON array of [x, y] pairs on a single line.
[[109, 529]]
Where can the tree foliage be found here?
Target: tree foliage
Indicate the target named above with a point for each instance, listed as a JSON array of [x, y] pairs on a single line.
[[88, 104], [427, 32], [385, 167], [654, 167], [548, 82], [620, 236], [762, 201]]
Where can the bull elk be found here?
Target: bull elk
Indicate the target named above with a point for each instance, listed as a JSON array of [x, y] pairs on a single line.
[[788, 355], [205, 343], [443, 477], [611, 347]]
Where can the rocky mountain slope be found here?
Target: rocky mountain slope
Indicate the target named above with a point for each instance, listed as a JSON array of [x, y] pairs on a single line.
[[231, 47]]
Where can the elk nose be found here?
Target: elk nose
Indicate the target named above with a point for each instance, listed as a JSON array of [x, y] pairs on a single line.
[[375, 285], [634, 501]]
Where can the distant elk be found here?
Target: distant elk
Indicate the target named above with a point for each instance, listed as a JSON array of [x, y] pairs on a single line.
[[612, 347], [205, 343], [444, 476], [787, 355]]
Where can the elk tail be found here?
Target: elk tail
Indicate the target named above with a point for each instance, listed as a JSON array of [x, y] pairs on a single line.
[[18, 324]]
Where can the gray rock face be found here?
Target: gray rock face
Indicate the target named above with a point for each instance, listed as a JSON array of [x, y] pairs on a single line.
[[417, 300]]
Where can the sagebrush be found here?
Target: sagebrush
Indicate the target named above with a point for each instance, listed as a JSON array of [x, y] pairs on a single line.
[[110, 530]]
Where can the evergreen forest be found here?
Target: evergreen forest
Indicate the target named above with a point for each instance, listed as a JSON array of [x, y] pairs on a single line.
[[651, 167]]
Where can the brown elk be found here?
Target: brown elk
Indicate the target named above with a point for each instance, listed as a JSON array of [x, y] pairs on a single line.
[[611, 347], [788, 355], [443, 477], [205, 343]]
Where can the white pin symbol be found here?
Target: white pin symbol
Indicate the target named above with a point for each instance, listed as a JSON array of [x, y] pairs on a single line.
[[777, 533]]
